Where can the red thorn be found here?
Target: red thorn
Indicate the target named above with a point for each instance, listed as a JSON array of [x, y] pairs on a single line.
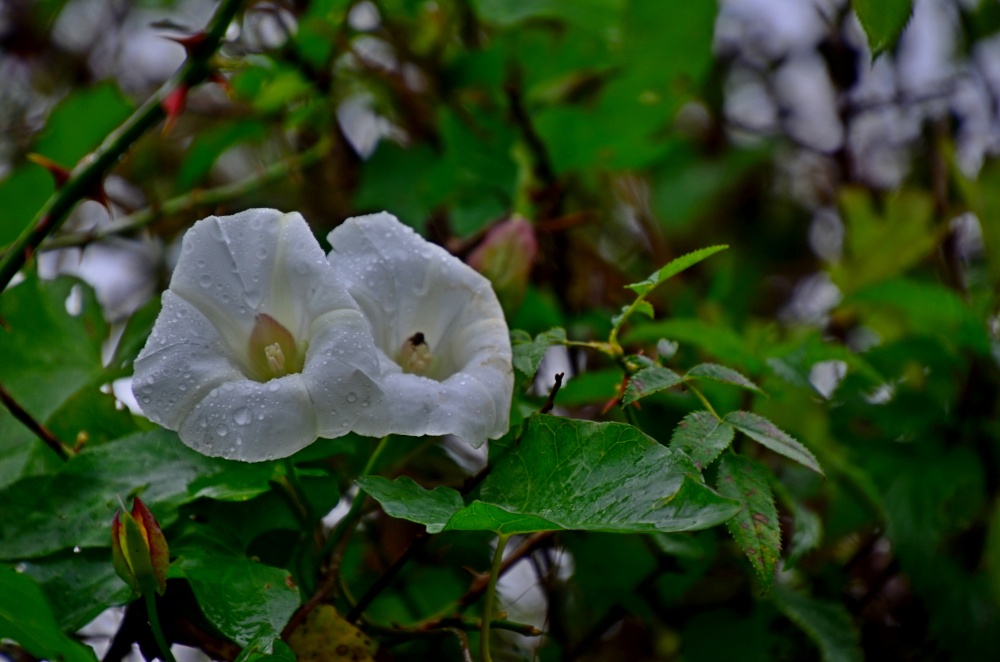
[[59, 173], [173, 105], [189, 42]]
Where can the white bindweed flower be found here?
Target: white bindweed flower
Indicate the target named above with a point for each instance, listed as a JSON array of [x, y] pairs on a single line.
[[443, 345], [259, 348]]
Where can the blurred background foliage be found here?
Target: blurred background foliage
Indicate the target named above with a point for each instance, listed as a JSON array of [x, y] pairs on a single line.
[[850, 168]]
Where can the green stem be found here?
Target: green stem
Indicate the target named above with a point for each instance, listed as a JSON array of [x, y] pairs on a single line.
[[87, 175], [352, 516], [704, 400], [491, 594], [193, 200], [154, 623]]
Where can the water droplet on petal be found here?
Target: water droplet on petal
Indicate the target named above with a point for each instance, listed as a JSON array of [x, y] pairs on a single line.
[[273, 386], [204, 280], [352, 397], [221, 430], [262, 252], [242, 416]]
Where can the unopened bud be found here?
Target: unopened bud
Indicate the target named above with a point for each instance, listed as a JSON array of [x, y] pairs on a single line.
[[506, 257], [139, 550]]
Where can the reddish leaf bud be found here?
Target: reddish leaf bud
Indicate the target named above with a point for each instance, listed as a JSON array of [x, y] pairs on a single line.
[[173, 105], [139, 549]]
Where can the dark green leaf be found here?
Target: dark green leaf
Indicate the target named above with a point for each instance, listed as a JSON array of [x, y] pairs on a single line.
[[74, 506], [673, 268], [883, 21], [702, 436], [266, 645], [81, 121], [22, 194], [134, 337], [722, 374], [240, 596], [715, 339], [528, 353], [828, 624], [648, 381], [570, 474], [807, 535], [78, 585], [209, 146], [756, 527], [404, 499], [26, 618], [768, 434]]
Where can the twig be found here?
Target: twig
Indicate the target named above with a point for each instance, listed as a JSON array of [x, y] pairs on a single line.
[[550, 401], [62, 450], [192, 200], [87, 175]]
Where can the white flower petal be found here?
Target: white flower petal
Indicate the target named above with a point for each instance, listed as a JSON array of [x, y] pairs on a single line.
[[340, 371], [182, 361], [250, 421], [257, 269], [406, 285]]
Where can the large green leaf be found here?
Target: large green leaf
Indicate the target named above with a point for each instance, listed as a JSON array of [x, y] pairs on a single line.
[[78, 585], [673, 268], [768, 434], [648, 381], [827, 623], [74, 506], [756, 527], [81, 121], [702, 436], [240, 596], [570, 474], [26, 618], [883, 21]]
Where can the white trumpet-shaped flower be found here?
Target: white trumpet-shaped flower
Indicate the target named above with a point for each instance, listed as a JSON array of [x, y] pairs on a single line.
[[258, 348], [442, 341]]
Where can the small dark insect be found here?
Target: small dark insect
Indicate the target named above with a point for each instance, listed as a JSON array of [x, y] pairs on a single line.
[[417, 339]]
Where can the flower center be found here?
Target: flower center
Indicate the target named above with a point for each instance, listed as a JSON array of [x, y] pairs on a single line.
[[415, 355], [273, 350]]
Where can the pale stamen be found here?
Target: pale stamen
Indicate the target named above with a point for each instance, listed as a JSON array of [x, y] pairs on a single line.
[[415, 355], [275, 358]]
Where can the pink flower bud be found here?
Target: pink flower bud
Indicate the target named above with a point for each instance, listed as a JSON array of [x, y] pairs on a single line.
[[506, 257]]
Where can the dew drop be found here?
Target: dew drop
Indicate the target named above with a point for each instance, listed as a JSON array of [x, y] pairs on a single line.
[[262, 252], [273, 386], [352, 397], [204, 280], [146, 400], [242, 416], [221, 430]]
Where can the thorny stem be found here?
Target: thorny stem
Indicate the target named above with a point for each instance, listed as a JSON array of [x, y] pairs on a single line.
[[491, 593], [86, 176], [192, 200], [154, 623]]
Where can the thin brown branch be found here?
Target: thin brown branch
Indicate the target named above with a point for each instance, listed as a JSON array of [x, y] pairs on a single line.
[[64, 451], [550, 401]]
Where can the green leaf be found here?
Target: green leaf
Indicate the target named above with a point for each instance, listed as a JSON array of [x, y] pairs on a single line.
[[74, 506], [404, 499], [702, 436], [26, 618], [266, 645], [593, 14], [756, 527], [648, 381], [571, 474], [134, 337], [828, 624], [209, 145], [528, 353], [673, 268], [643, 307], [883, 21], [81, 121], [722, 374], [240, 596], [768, 434], [78, 585], [22, 194], [806, 536]]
